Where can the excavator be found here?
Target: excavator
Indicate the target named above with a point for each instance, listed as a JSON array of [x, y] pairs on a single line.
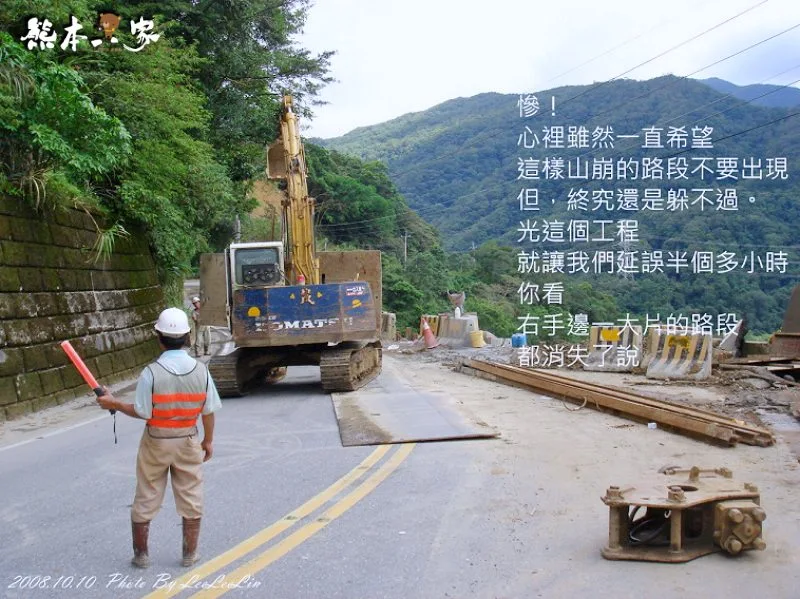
[[284, 303]]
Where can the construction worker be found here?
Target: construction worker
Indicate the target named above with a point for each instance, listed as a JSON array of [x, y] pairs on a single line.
[[201, 334], [171, 393]]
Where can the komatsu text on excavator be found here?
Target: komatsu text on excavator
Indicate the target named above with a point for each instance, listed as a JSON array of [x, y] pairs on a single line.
[[286, 304]]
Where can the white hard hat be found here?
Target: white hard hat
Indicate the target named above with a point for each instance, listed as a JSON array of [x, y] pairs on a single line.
[[172, 322], [195, 299]]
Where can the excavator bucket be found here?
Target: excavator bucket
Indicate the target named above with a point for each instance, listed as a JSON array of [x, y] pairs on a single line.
[[276, 161]]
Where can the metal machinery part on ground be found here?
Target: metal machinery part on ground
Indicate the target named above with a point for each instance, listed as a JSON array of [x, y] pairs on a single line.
[[682, 514], [287, 305], [786, 342]]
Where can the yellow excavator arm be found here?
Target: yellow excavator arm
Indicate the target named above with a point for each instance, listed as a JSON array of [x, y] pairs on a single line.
[[286, 160]]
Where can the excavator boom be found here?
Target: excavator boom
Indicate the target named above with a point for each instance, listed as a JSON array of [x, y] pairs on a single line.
[[281, 308], [287, 162]]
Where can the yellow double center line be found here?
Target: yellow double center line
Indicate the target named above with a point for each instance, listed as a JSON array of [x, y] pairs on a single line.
[[220, 585]]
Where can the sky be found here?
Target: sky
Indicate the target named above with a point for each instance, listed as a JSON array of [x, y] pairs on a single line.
[[399, 56]]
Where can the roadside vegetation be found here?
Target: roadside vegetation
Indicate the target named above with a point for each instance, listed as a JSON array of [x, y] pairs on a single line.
[[166, 139], [169, 140]]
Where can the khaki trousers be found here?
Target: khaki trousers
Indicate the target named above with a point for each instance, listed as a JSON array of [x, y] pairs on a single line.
[[183, 460], [200, 338]]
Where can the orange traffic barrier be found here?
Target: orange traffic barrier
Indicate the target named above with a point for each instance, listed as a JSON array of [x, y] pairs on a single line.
[[430, 339], [433, 322]]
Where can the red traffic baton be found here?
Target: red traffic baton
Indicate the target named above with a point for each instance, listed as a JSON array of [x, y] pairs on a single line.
[[82, 369]]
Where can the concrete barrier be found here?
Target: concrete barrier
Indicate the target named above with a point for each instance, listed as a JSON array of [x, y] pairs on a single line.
[[388, 326], [614, 349], [671, 356], [454, 332]]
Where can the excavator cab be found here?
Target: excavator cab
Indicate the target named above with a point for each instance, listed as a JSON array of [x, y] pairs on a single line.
[[256, 264]]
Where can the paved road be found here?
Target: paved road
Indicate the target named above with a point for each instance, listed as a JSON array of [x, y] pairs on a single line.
[[64, 517], [290, 513]]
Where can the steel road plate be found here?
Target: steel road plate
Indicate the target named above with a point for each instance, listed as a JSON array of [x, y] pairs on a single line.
[[388, 411]]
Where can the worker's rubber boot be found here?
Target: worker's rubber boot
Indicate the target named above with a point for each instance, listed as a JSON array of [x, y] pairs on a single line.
[[191, 532], [141, 530]]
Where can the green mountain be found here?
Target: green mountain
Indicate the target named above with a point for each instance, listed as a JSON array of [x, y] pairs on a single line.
[[459, 165], [774, 96]]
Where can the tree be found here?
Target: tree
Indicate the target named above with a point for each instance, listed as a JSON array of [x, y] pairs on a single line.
[[399, 294], [251, 60], [455, 162], [51, 130], [166, 138]]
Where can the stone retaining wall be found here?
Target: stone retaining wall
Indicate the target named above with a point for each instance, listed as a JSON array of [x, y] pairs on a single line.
[[52, 289]]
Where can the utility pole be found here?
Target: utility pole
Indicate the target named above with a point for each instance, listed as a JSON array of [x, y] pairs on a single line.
[[405, 247], [626, 245], [626, 248]]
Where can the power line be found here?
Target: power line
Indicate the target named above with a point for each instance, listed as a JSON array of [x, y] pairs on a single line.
[[731, 95], [605, 53], [620, 150], [609, 51], [596, 150], [700, 70], [443, 208], [665, 52], [683, 43], [420, 213], [433, 211], [738, 133], [744, 102]]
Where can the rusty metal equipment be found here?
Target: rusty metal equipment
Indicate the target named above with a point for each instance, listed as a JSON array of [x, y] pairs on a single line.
[[681, 514]]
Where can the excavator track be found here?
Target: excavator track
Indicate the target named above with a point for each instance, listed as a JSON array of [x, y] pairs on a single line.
[[223, 369], [349, 368], [235, 373]]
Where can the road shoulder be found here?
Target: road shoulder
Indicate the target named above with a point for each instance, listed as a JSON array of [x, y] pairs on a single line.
[[57, 419]]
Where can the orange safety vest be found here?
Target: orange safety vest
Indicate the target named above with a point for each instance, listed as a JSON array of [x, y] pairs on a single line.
[[178, 400]]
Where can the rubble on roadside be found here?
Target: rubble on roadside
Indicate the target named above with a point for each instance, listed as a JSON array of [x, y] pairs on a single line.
[[739, 392]]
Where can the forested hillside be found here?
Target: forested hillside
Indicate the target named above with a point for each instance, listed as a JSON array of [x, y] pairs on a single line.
[[460, 165], [164, 124], [773, 96], [165, 128], [160, 123]]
